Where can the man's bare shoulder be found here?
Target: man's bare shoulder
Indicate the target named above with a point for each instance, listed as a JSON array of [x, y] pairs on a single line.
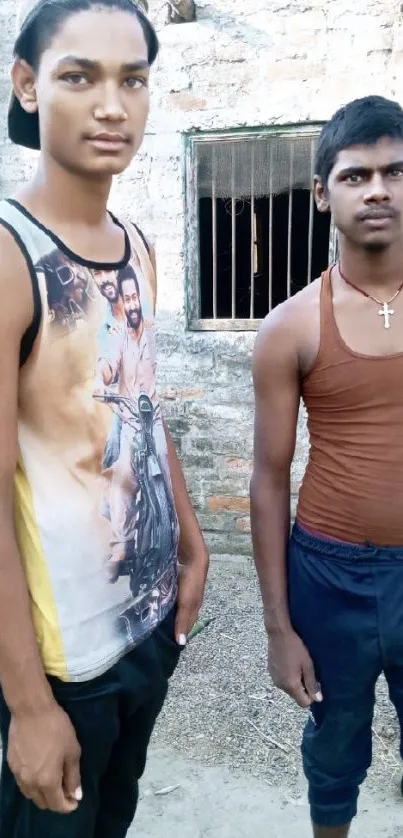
[[292, 330], [295, 313]]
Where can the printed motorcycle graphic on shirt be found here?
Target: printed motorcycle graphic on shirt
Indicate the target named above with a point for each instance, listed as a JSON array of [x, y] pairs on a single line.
[[148, 554], [116, 308], [140, 504]]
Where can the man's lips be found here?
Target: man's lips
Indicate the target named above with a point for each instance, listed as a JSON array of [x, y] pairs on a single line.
[[105, 141]]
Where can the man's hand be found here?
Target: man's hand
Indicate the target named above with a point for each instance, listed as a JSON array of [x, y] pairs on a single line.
[[44, 756], [193, 555], [104, 373], [192, 579], [291, 668]]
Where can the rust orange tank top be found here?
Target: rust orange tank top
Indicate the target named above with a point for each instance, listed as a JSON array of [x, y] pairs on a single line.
[[353, 484]]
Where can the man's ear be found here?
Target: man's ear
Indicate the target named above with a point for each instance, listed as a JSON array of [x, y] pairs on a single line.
[[23, 78], [321, 195]]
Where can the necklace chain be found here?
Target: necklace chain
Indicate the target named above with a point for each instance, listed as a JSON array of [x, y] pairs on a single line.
[[384, 311], [366, 293]]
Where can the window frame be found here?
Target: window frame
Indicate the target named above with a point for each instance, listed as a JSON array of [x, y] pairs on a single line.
[[192, 227]]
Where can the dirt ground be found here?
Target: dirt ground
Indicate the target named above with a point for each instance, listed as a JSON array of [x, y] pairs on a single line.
[[229, 742], [212, 802]]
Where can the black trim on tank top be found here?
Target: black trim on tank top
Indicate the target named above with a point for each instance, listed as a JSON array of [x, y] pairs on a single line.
[[29, 337], [142, 236], [87, 263]]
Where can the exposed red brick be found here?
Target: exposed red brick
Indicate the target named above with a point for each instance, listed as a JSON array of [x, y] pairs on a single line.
[[172, 394], [243, 524], [191, 394], [222, 503]]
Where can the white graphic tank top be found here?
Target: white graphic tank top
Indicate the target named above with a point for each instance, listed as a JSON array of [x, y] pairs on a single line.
[[94, 510]]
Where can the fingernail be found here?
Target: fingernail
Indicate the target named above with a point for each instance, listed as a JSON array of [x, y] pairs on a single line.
[[79, 794], [318, 697], [182, 640]]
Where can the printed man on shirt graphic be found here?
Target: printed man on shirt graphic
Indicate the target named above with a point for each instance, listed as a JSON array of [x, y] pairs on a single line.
[[127, 369]]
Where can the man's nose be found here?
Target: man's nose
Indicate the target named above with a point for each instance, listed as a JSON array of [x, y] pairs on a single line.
[[110, 106], [377, 189]]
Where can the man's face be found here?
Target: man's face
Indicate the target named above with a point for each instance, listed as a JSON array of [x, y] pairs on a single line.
[[78, 290], [365, 194], [107, 284], [92, 92], [131, 304]]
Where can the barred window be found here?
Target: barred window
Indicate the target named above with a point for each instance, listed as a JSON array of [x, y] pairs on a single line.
[[254, 235]]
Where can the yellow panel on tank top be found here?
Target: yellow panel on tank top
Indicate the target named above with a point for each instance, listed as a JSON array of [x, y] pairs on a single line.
[[42, 602]]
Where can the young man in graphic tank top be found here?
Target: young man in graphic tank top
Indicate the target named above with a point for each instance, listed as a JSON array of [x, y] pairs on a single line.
[[102, 561], [333, 593]]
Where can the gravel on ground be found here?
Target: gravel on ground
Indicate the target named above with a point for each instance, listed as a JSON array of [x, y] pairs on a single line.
[[223, 709]]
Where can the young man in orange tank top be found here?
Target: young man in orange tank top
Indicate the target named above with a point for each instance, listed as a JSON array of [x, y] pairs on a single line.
[[333, 592], [93, 615]]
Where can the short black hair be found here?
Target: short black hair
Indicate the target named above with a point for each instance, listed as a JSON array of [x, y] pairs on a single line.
[[46, 18], [361, 122], [127, 274]]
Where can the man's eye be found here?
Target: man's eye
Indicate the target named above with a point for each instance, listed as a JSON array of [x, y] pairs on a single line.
[[396, 173], [354, 179], [75, 78], [135, 83]]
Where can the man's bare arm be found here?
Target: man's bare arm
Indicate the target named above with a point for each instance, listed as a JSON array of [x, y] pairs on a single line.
[[21, 672], [277, 396], [192, 545], [35, 716], [193, 555], [191, 538], [276, 384]]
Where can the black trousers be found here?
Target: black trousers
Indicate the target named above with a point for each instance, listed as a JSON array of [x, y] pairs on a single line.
[[113, 716], [346, 604]]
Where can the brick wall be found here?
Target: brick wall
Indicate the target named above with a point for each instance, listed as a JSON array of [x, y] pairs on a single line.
[[242, 63]]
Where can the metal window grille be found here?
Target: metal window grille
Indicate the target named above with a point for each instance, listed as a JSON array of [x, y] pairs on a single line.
[[254, 235]]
